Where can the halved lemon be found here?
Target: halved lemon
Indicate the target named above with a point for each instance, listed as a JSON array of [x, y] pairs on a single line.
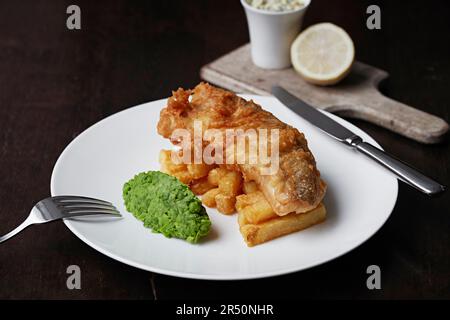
[[323, 54]]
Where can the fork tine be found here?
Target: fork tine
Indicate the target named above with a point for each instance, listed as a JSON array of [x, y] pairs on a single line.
[[81, 205], [84, 205], [90, 211], [67, 199], [71, 206]]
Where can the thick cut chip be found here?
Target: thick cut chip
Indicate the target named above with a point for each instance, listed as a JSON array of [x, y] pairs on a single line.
[[254, 234]]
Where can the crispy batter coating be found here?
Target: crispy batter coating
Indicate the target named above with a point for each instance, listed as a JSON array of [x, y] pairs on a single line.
[[296, 185]]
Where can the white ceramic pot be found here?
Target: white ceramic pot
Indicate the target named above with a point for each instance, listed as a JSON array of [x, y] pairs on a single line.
[[272, 33]]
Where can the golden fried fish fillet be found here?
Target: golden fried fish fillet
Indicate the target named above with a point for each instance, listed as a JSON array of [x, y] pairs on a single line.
[[296, 185]]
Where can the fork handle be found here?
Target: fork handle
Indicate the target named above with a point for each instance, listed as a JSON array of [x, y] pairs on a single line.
[[28, 221]]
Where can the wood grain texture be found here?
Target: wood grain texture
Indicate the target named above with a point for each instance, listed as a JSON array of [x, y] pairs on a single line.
[[356, 97]]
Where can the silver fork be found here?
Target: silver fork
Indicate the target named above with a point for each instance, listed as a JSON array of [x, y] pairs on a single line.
[[61, 207]]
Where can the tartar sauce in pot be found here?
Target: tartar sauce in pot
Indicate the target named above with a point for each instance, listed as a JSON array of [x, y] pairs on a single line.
[[277, 5]]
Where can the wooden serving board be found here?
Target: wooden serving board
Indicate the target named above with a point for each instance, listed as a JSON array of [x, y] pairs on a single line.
[[357, 96]]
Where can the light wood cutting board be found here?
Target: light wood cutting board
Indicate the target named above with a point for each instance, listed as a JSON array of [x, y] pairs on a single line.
[[357, 96]]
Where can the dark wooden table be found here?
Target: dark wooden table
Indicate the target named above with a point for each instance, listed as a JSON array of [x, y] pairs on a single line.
[[54, 83]]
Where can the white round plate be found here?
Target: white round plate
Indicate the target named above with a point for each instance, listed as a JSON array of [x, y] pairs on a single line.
[[360, 198]]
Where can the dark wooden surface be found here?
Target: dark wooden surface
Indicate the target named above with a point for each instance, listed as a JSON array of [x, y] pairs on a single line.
[[54, 83]]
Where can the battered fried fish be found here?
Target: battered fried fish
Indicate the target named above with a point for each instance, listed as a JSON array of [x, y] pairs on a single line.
[[296, 185]]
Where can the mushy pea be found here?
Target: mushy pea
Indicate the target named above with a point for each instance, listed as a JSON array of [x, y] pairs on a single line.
[[166, 206]]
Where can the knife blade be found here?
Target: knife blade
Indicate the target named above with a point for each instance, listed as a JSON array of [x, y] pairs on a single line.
[[337, 131]]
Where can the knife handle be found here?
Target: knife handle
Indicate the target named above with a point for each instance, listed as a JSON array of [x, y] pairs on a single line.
[[403, 171]]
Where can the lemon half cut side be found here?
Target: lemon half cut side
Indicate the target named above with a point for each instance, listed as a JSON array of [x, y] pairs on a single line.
[[323, 54]]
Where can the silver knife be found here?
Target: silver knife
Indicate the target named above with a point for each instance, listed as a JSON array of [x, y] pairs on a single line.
[[403, 171]]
